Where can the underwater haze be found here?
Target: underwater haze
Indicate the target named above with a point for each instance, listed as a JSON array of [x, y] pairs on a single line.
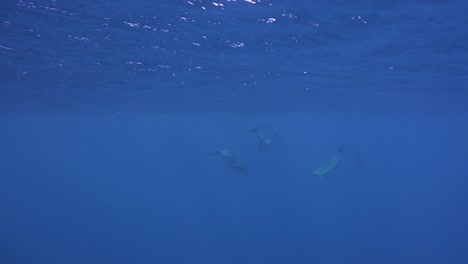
[[233, 131]]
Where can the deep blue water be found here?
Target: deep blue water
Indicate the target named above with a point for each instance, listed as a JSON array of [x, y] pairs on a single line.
[[110, 112]]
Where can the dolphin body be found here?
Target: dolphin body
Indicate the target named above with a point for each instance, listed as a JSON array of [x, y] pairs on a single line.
[[264, 139], [226, 155], [240, 168], [330, 165], [233, 162], [359, 161]]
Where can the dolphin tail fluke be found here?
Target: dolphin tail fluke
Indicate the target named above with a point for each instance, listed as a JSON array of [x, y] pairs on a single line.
[[340, 148]]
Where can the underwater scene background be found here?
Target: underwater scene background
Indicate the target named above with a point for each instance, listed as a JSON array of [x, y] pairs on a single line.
[[232, 131]]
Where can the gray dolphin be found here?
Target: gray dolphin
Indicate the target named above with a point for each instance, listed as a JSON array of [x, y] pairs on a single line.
[[232, 161], [330, 164], [359, 161], [265, 136], [240, 167], [226, 155]]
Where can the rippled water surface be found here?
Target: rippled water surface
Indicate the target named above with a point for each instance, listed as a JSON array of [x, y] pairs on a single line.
[[184, 55]]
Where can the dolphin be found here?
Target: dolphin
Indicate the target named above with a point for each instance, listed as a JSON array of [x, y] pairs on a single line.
[[265, 136], [331, 164], [226, 155], [232, 161], [239, 167], [359, 162]]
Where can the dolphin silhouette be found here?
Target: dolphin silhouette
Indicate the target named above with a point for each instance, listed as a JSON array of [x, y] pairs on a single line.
[[265, 136], [240, 168], [226, 155], [330, 164], [359, 161], [232, 161]]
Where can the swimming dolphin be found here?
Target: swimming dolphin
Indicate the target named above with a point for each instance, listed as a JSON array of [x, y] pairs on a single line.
[[359, 162], [232, 161], [331, 164], [265, 136], [226, 155], [239, 167]]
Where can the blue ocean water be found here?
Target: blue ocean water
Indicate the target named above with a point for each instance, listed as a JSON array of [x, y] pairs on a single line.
[[128, 131]]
